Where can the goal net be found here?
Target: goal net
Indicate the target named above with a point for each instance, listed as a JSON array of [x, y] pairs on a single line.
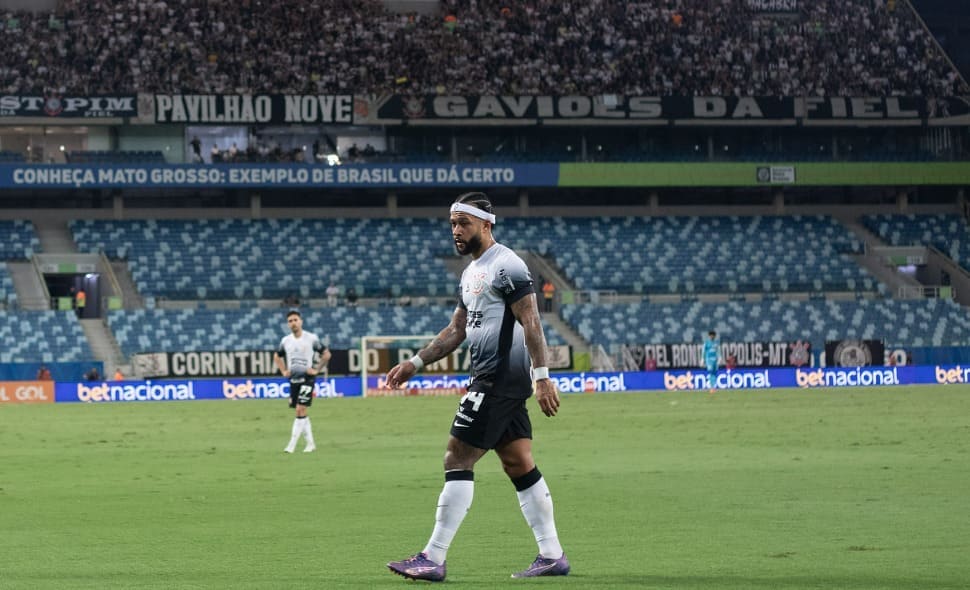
[[379, 353]]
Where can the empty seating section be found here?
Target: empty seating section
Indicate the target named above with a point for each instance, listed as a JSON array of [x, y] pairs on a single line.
[[18, 241], [930, 322], [271, 258], [7, 291], [42, 336], [8, 157], [255, 328], [115, 157], [239, 259], [950, 234], [696, 254]]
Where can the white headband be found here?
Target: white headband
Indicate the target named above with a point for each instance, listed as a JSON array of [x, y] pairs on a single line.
[[473, 211]]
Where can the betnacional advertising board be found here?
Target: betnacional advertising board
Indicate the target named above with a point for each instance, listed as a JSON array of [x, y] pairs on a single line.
[[673, 380]]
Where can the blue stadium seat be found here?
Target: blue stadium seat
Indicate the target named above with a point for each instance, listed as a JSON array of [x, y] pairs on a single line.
[[664, 254], [8, 157], [928, 322], [950, 234], [254, 328], [242, 259], [114, 157], [42, 336], [18, 240]]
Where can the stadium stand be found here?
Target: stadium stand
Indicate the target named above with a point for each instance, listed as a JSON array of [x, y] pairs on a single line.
[[7, 292], [115, 157], [8, 157], [161, 330], [238, 259], [268, 259], [18, 240], [860, 48], [42, 336], [662, 254], [836, 48], [949, 234], [931, 322]]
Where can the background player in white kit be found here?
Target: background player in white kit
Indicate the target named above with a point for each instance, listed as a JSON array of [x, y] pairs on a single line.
[[295, 359], [498, 315]]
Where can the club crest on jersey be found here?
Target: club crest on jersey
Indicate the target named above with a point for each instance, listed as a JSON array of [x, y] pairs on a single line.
[[477, 283]]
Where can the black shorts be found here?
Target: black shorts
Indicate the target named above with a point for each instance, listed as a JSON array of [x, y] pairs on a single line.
[[301, 390], [486, 420]]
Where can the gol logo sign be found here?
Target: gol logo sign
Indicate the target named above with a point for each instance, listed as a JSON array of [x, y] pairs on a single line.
[[26, 392]]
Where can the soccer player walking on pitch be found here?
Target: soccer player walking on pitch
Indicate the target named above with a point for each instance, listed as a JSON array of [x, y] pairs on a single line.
[[498, 314], [298, 350]]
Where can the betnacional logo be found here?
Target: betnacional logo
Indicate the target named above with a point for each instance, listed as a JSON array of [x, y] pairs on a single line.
[[146, 391], [250, 389], [691, 381], [443, 382], [855, 377], [255, 390], [955, 375], [590, 383]]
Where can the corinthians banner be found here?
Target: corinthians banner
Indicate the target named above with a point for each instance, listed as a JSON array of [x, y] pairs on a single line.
[[747, 354], [664, 110], [261, 108], [259, 363], [854, 353], [68, 107]]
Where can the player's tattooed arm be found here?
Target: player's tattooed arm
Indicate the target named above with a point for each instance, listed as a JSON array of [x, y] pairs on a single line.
[[447, 340], [443, 344], [526, 311]]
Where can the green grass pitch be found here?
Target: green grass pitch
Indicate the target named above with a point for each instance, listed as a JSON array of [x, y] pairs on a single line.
[[787, 489]]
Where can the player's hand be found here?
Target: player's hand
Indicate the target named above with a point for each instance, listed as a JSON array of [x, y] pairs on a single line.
[[547, 396], [286, 374], [311, 371], [399, 375]]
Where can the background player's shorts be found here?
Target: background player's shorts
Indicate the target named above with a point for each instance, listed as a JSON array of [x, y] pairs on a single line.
[[711, 366], [301, 390], [486, 420]]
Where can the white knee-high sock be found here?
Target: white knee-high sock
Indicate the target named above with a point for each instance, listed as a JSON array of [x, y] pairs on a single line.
[[308, 432], [536, 504], [453, 505], [296, 431]]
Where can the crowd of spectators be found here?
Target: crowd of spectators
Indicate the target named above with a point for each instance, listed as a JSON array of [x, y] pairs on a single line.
[[666, 47]]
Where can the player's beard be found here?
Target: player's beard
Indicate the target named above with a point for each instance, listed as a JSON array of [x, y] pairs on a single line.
[[474, 244]]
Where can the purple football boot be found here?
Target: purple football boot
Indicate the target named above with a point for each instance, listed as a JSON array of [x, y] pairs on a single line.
[[544, 566], [419, 567]]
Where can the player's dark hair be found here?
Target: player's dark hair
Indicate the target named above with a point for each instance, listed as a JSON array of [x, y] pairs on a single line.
[[295, 312], [476, 199], [712, 333]]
